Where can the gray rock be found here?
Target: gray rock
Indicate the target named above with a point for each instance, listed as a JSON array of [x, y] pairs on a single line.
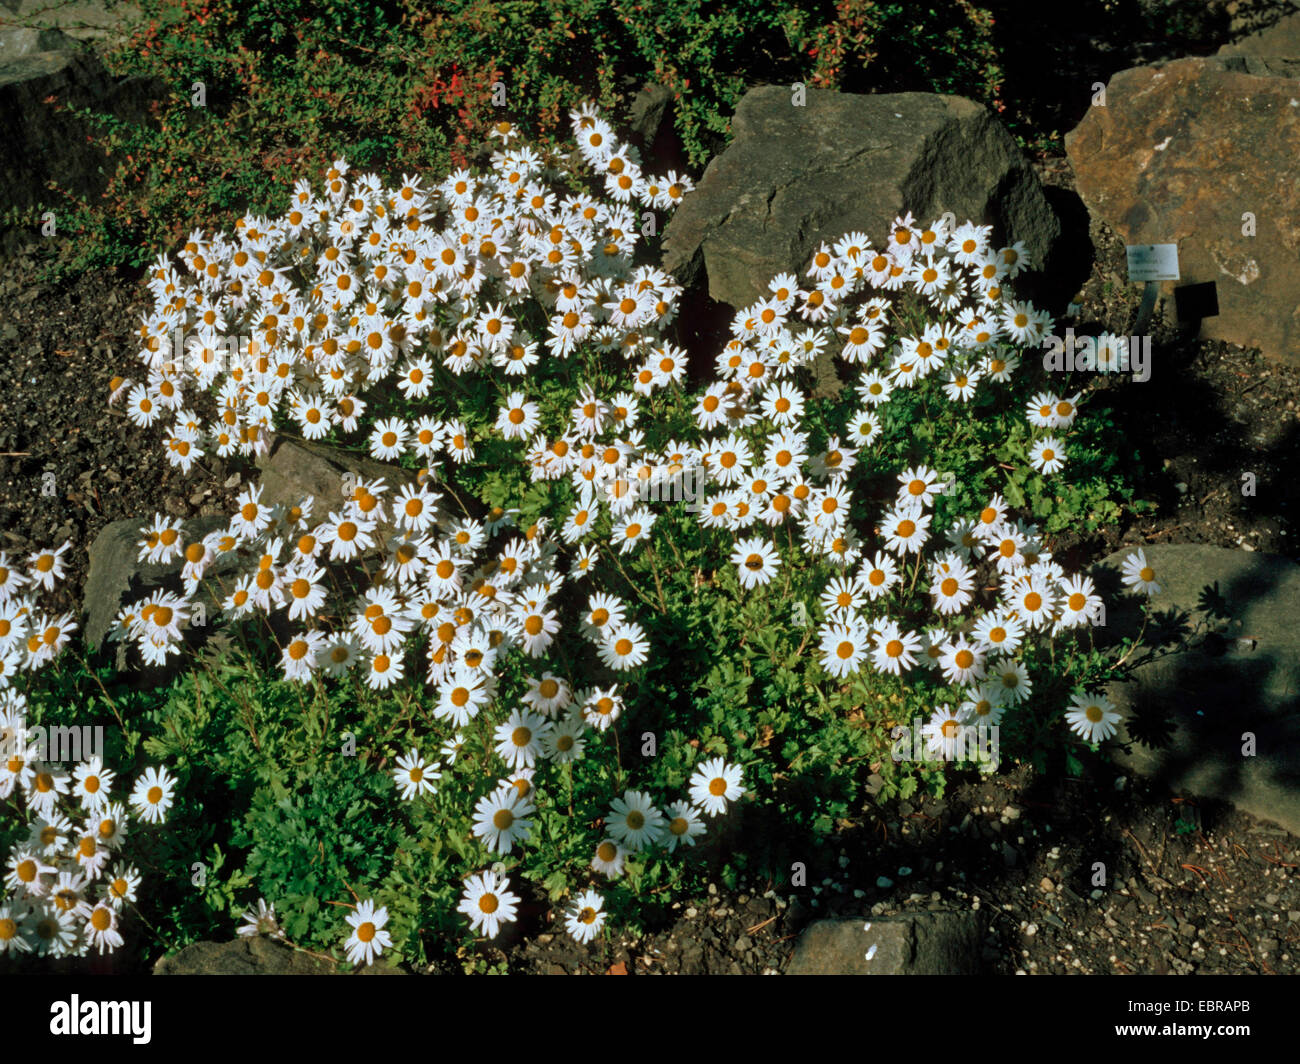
[[1282, 38], [793, 177], [296, 469], [19, 41], [923, 943], [244, 956], [44, 141], [116, 576], [1189, 709], [80, 19], [650, 110]]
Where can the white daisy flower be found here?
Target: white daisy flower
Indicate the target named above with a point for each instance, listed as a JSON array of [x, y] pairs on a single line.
[[625, 648], [502, 818], [895, 649], [1000, 631], [260, 920], [564, 743], [609, 858], [388, 439], [715, 783], [1139, 576], [414, 776], [1047, 455], [1012, 679], [101, 929], [905, 529], [91, 783], [368, 939], [152, 796], [585, 916], [983, 705], [918, 486], [961, 662], [634, 821], [1079, 603], [684, 825], [300, 655], [54, 932], [121, 886], [952, 587], [488, 903], [13, 917], [520, 737], [942, 732], [756, 561], [548, 694], [843, 648], [1092, 716], [600, 708], [878, 575]]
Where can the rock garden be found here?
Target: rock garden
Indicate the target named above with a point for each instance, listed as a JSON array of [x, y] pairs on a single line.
[[593, 492]]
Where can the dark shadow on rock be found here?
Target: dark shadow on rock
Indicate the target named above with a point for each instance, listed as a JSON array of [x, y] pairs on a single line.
[[1070, 263], [703, 328], [1219, 715]]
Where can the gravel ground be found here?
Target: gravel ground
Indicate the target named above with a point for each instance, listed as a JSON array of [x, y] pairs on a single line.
[[63, 344], [1189, 889]]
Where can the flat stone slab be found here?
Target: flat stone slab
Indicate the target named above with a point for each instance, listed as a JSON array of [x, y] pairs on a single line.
[[17, 42], [1194, 713], [296, 469], [81, 19], [45, 142], [925, 943], [116, 576], [245, 956]]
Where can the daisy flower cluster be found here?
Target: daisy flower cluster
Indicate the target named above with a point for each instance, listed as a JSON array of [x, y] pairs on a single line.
[[307, 320], [761, 470], [30, 636], [358, 286], [67, 883], [361, 288], [633, 824]]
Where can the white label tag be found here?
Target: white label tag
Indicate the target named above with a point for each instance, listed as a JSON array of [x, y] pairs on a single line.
[[1152, 262]]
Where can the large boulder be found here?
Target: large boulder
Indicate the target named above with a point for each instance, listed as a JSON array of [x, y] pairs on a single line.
[[1213, 707], [43, 75], [794, 176], [1179, 154], [923, 943]]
